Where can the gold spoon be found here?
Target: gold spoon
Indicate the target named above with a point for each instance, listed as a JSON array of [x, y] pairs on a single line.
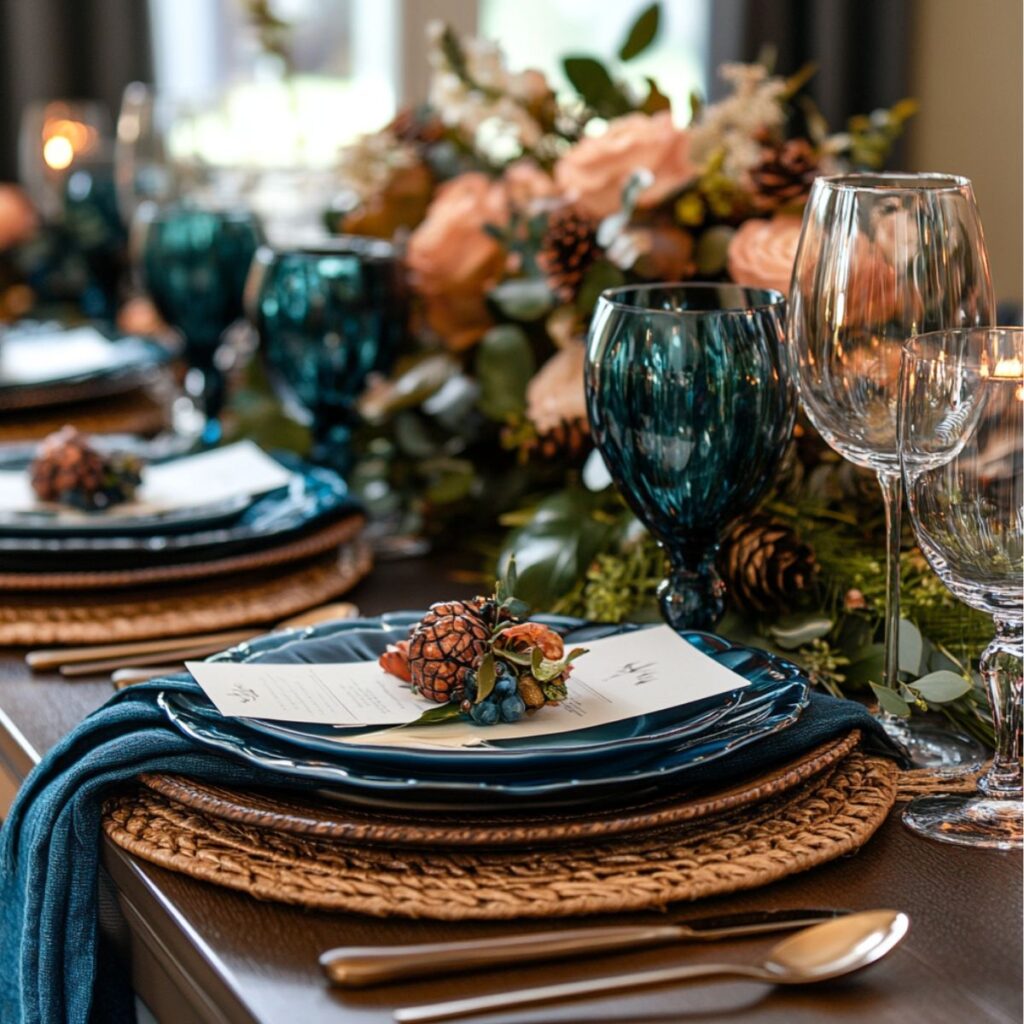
[[819, 953]]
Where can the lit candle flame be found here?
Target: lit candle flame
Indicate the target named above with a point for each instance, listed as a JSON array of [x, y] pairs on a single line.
[[58, 152]]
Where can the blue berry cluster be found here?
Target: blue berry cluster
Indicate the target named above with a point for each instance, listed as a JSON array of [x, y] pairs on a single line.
[[502, 704]]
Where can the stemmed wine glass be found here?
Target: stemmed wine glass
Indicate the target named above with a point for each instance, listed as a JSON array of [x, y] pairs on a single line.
[[881, 258], [194, 261], [329, 314], [691, 405], [961, 427]]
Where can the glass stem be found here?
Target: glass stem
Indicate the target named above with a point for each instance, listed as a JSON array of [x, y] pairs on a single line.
[[1002, 668], [892, 495]]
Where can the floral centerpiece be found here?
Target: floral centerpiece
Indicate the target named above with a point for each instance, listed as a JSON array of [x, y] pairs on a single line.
[[518, 205]]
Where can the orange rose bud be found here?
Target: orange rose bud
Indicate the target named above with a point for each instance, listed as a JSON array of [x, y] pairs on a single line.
[[533, 634]]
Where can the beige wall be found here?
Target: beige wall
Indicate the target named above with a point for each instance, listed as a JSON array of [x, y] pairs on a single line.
[[966, 69]]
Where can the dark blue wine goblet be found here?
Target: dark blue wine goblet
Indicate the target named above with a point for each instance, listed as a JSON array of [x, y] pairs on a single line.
[[691, 405], [328, 314], [194, 262]]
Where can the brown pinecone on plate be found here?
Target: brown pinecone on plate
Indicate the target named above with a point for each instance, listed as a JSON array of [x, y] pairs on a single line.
[[446, 643], [69, 470], [765, 565], [567, 250], [784, 176]]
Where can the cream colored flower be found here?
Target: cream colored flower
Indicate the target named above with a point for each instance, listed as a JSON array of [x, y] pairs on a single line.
[[762, 252]]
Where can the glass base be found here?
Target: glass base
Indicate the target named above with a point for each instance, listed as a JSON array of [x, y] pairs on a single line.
[[932, 746], [968, 821]]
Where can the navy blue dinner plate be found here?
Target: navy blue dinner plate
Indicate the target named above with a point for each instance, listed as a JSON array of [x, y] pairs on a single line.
[[639, 751]]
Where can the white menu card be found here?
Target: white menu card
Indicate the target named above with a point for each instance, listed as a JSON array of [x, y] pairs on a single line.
[[619, 677], [209, 478]]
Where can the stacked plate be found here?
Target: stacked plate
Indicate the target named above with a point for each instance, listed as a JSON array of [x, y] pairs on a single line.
[[626, 759], [103, 383], [216, 540]]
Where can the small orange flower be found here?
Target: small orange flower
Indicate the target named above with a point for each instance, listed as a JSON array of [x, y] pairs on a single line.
[[533, 634]]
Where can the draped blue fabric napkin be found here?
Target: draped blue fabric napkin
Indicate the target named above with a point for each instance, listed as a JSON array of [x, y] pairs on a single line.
[[50, 960]]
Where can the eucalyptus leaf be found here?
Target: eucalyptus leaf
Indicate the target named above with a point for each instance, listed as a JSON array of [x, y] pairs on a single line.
[[511, 575], [504, 367], [793, 633], [516, 608], [867, 668], [435, 716], [642, 33], [516, 657], [554, 549], [601, 276], [524, 299], [485, 677], [536, 662], [941, 687], [911, 648], [590, 78], [891, 701]]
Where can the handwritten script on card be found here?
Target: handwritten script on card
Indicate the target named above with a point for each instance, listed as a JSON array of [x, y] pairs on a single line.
[[620, 677]]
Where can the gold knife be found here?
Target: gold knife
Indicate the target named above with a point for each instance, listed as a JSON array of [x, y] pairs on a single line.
[[360, 966]]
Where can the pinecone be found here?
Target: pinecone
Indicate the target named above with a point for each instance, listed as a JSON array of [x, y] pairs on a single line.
[[567, 250], [568, 442], [784, 175], [447, 642], [69, 470], [765, 565]]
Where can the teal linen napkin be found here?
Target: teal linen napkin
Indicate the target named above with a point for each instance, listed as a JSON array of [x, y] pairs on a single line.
[[50, 955]]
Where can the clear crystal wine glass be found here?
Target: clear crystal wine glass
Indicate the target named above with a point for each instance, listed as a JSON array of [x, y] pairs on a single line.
[[961, 428], [881, 258]]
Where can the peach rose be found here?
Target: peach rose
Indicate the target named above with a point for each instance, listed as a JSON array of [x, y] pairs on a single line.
[[525, 184], [453, 261], [556, 393], [594, 172], [17, 216], [762, 252]]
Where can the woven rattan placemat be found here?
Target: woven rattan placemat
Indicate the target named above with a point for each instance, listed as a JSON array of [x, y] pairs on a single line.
[[832, 814], [328, 820], [181, 609], [144, 411], [323, 539]]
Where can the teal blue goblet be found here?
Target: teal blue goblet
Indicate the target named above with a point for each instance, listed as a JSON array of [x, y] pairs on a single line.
[[691, 405], [194, 262], [328, 314]]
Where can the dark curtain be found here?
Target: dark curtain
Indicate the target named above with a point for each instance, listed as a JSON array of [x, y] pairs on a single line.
[[67, 49], [861, 48]]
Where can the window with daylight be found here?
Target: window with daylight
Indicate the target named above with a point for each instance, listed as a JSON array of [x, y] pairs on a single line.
[[678, 61]]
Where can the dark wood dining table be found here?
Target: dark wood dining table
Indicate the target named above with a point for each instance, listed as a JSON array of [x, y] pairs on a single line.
[[198, 953]]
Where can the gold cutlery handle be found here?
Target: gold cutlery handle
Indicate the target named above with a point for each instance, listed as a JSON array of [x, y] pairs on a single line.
[[371, 965], [572, 990]]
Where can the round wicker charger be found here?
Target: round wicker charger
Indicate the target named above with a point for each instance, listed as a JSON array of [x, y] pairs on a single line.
[[144, 411], [324, 539], [832, 814], [350, 824], [182, 609]]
